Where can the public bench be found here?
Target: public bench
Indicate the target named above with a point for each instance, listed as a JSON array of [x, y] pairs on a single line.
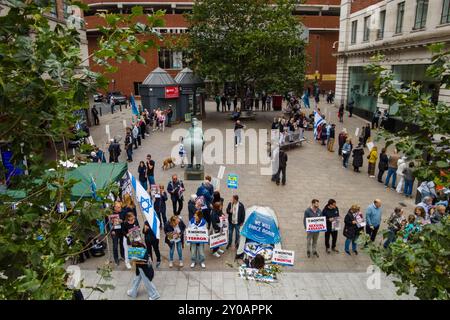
[[296, 141], [245, 115]]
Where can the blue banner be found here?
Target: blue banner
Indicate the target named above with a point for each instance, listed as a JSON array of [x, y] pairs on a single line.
[[232, 181], [136, 253], [261, 228]]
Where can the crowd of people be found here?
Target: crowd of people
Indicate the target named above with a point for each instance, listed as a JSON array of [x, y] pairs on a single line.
[[356, 222], [249, 102]]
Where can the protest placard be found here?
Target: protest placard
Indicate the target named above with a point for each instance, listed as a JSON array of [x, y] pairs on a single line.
[[196, 235], [134, 234], [283, 257], [115, 221], [370, 145], [336, 224], [316, 224], [136, 253], [218, 240]]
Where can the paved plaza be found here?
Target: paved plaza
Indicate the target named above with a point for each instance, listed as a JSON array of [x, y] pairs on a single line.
[[312, 172]]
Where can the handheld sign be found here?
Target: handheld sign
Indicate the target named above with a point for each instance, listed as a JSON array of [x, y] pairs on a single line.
[[218, 240], [136, 253], [283, 257], [316, 224], [370, 145], [197, 236], [232, 181]]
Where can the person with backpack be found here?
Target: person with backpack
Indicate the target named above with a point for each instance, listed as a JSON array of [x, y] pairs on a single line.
[[144, 273], [408, 174], [114, 151]]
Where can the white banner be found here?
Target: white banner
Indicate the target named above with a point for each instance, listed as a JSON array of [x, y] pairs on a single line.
[[316, 224], [283, 257], [218, 240], [197, 235]]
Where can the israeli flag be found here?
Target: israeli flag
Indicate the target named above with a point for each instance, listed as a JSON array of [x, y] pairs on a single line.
[[318, 120], [134, 108], [146, 203]]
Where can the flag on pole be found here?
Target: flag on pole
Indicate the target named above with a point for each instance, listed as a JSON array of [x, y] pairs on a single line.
[[134, 108], [146, 203], [305, 99], [318, 120]]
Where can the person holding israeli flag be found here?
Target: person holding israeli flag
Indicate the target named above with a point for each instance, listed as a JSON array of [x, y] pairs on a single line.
[[318, 120], [146, 204]]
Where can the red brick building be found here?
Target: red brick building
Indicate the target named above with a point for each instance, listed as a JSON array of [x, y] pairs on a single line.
[[320, 17]]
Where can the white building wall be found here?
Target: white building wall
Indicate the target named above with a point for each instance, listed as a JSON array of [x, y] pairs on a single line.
[[409, 47]]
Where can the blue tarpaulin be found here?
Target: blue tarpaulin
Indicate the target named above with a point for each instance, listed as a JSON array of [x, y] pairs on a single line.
[[261, 228]]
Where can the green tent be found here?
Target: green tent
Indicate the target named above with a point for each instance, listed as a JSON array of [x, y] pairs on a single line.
[[103, 174]]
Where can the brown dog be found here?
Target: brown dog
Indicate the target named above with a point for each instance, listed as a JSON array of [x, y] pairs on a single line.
[[168, 163]]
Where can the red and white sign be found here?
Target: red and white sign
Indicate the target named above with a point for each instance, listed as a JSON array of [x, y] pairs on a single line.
[[199, 235], [172, 92], [283, 257], [316, 224], [218, 240]]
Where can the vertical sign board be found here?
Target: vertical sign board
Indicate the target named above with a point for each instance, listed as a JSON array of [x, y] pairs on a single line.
[[232, 181]]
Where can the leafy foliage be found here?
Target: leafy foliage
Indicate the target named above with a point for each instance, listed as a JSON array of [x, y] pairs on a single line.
[[248, 42], [423, 119], [43, 81], [421, 262]]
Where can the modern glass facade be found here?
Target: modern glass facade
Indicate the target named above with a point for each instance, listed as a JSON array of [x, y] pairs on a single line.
[[361, 90]]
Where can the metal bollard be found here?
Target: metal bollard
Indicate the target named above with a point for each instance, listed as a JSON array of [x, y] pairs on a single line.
[[100, 110], [120, 106]]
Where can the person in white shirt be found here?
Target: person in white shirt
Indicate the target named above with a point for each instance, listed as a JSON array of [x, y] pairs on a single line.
[[401, 166], [236, 218]]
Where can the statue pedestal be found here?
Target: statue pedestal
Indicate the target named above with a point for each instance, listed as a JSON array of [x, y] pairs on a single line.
[[194, 173]]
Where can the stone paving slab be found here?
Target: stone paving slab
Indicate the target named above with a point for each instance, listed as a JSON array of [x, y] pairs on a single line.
[[291, 286]]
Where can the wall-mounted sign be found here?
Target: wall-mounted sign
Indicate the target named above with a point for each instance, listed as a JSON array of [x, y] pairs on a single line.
[[328, 77], [172, 92]]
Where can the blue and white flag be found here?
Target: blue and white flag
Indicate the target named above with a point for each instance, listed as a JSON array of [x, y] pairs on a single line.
[[318, 120], [146, 203], [134, 109]]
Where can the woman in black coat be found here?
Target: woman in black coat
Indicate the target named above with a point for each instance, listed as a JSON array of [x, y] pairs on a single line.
[[217, 225], [358, 153], [351, 229], [383, 164]]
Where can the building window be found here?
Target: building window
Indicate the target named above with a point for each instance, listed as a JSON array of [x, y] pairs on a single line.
[[54, 9], [354, 30], [136, 88], [400, 14], [421, 14], [67, 10], [169, 59], [445, 16], [380, 34], [366, 28]]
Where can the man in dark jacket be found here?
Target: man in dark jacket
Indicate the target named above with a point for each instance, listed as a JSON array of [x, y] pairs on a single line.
[[95, 115], [176, 189], [282, 163], [223, 99], [331, 212], [114, 151], [129, 145], [366, 133], [312, 237], [236, 217]]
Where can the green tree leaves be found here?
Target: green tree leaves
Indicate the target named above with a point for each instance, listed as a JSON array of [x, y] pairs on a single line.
[[248, 42]]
